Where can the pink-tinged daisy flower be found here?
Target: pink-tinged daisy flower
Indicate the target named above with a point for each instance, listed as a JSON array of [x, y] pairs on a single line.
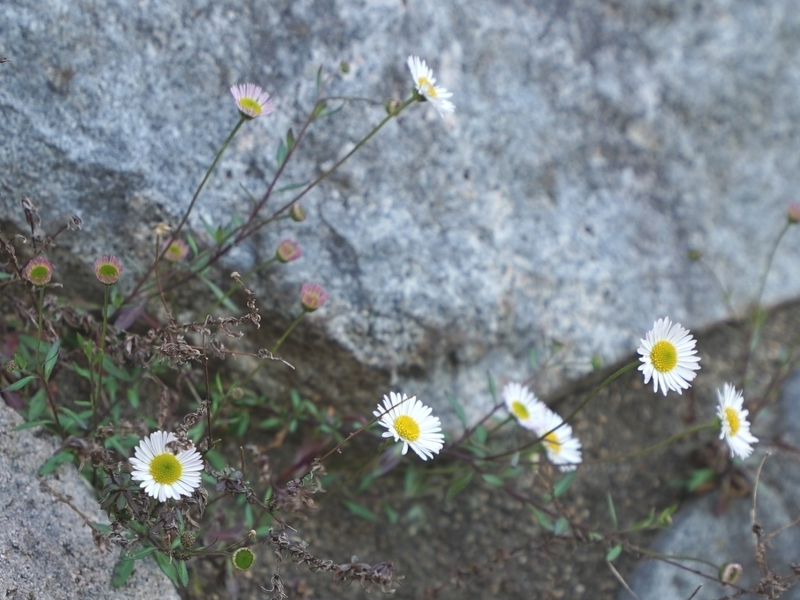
[[312, 296], [107, 269], [563, 450], [251, 100], [409, 420], [523, 404], [734, 427], [164, 472], [39, 271], [668, 356], [176, 251], [288, 250], [425, 84]]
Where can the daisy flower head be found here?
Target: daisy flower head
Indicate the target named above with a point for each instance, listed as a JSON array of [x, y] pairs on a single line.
[[107, 269], [563, 450], [39, 271], [734, 428], [409, 420], [523, 404], [288, 250], [425, 84], [312, 296], [164, 472], [176, 250], [251, 100], [668, 356]]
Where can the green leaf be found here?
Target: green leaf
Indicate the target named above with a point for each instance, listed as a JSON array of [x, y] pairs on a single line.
[[183, 574], [168, 567], [533, 359], [561, 527], [411, 483], [319, 79], [219, 294], [481, 434], [192, 243], [19, 384], [459, 484], [81, 371], [30, 424], [665, 517], [51, 464], [319, 108], [391, 513], [611, 510], [645, 522], [492, 390], [50, 359], [562, 485], [280, 156], [290, 139], [37, 404], [216, 459], [594, 536], [542, 518], [114, 370], [492, 479], [75, 417], [698, 478], [122, 570], [614, 553], [141, 553], [457, 408], [360, 511]]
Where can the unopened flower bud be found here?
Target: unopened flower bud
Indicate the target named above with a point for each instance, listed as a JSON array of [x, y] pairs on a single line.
[[312, 296], [730, 573], [288, 250], [297, 212], [793, 214]]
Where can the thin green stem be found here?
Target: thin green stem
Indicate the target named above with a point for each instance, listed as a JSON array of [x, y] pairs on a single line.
[[770, 257], [98, 389], [188, 211], [39, 329], [714, 424], [288, 331]]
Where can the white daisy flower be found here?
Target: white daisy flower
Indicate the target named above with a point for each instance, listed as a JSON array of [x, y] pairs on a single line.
[[251, 100], [410, 420], [163, 473], [562, 448], [425, 84], [668, 356], [735, 429], [523, 404]]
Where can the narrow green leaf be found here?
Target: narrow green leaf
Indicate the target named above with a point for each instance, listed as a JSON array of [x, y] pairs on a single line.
[[216, 459], [30, 424], [645, 522], [51, 464], [183, 574], [19, 384], [562, 485], [561, 527], [614, 553], [168, 567], [292, 186], [481, 434], [37, 405], [533, 358], [699, 477], [280, 156], [219, 294], [141, 553], [122, 570], [595, 537], [192, 243], [492, 390], [391, 513], [542, 519], [459, 484], [611, 510], [290, 139], [360, 511], [75, 417], [81, 371], [319, 79], [50, 359], [492, 479], [457, 408], [114, 370]]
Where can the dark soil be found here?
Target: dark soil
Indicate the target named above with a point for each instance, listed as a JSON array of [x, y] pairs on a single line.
[[485, 543]]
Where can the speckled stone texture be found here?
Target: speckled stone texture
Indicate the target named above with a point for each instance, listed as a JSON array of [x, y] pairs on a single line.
[[46, 552], [594, 144]]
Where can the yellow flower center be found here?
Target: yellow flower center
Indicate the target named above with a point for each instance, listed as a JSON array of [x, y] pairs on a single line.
[[166, 469], [664, 356], [426, 87], [519, 410], [407, 428], [552, 442], [732, 417], [108, 270], [248, 104]]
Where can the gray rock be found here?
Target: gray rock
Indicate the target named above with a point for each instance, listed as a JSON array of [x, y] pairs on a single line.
[[728, 537], [592, 146], [45, 549]]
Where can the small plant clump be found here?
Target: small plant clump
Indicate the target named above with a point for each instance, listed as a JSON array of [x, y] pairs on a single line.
[[174, 443]]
